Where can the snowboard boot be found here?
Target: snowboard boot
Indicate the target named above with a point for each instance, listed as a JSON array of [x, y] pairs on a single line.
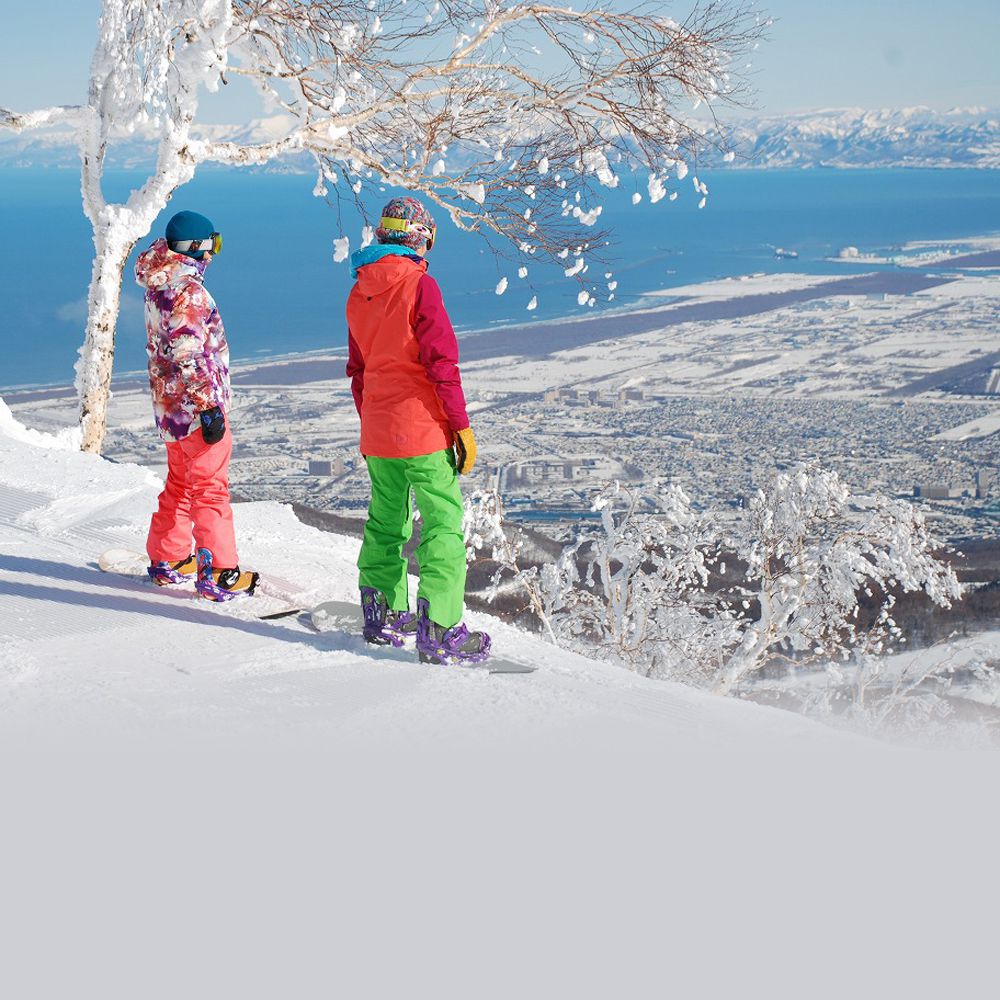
[[164, 574], [223, 584], [384, 627], [437, 644]]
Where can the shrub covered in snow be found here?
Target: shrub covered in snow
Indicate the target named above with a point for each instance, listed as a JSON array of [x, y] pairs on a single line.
[[645, 586]]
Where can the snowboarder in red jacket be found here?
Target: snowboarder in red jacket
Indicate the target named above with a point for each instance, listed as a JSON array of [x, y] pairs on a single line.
[[415, 437]]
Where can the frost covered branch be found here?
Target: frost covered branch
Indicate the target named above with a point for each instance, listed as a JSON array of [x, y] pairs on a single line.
[[534, 109], [64, 114]]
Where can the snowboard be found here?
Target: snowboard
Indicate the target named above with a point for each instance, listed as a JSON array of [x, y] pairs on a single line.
[[132, 565], [330, 616], [124, 562], [343, 616]]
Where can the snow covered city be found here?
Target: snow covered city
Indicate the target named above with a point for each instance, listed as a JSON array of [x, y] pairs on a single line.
[[475, 439]]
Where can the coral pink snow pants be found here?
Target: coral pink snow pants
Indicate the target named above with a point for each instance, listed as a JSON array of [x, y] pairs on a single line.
[[196, 496]]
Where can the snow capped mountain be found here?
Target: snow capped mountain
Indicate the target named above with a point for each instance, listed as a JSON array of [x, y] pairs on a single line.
[[854, 137], [838, 137], [56, 147]]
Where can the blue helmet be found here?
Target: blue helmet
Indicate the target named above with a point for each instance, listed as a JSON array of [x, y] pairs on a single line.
[[187, 226]]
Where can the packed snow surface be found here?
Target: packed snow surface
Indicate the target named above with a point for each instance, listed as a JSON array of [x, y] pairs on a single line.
[[91, 659]]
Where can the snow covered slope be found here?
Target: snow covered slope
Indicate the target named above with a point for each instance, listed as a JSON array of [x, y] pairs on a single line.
[[89, 659]]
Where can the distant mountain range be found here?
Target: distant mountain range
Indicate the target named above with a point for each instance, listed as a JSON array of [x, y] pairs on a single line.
[[839, 138], [853, 137], [55, 147]]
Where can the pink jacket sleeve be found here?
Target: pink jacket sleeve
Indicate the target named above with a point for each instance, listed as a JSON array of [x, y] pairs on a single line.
[[439, 351], [355, 370]]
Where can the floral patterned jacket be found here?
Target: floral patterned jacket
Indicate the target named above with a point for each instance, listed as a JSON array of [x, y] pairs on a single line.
[[185, 341]]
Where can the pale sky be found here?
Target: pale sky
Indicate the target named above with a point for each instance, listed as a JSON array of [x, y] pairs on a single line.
[[822, 53]]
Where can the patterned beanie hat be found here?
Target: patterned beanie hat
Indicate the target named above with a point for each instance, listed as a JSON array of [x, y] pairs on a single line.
[[407, 223]]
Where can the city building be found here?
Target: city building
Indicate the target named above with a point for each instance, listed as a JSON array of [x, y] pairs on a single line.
[[984, 479], [326, 467], [933, 491]]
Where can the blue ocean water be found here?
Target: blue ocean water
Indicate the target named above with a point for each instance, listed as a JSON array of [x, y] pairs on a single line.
[[280, 292]]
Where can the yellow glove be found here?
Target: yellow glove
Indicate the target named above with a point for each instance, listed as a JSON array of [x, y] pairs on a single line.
[[465, 451]]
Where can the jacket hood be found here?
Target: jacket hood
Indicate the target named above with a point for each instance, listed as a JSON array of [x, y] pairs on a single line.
[[385, 270], [160, 267], [375, 252]]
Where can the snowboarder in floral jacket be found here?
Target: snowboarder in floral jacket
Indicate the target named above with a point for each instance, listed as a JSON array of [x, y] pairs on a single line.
[[415, 437], [189, 378]]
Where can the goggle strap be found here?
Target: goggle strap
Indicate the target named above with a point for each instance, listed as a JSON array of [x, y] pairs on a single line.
[[405, 226]]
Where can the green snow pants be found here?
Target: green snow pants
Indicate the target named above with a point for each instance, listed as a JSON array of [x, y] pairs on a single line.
[[433, 481]]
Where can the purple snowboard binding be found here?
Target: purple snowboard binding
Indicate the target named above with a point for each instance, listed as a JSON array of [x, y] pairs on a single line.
[[384, 627], [437, 644], [222, 584], [165, 574]]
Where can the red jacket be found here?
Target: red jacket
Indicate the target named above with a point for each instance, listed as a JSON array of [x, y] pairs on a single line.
[[403, 361]]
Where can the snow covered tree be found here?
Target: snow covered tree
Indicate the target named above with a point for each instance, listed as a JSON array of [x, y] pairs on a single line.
[[647, 587], [644, 599], [510, 118], [148, 65], [812, 548]]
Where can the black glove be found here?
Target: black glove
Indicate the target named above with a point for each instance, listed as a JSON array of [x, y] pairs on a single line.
[[213, 425]]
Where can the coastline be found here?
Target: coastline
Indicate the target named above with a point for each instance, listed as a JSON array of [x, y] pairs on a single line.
[[707, 301], [733, 245]]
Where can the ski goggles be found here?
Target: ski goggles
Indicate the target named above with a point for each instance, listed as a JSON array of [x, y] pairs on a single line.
[[405, 226], [211, 244]]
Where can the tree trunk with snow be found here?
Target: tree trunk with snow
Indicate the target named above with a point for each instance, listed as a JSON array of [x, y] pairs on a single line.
[[758, 639], [97, 354]]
